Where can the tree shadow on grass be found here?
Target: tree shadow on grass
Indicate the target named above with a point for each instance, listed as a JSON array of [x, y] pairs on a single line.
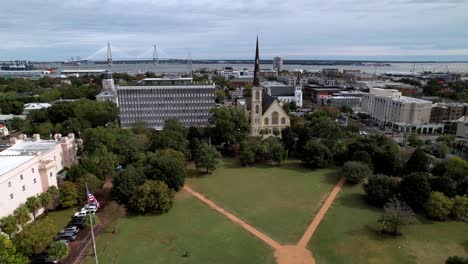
[[357, 201], [465, 246]]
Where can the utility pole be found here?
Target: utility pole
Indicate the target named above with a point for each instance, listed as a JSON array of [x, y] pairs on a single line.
[[92, 228]]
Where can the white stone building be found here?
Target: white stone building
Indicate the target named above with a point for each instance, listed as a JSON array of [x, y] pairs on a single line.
[[389, 106], [30, 167], [284, 93]]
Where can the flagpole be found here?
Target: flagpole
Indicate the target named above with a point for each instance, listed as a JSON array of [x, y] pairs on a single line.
[[92, 228]]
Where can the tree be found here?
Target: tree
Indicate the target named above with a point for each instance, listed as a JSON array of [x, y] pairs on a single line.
[[247, 157], [445, 185], [288, 138], [45, 199], [456, 260], [54, 192], [168, 170], [415, 190], [460, 207], [35, 236], [94, 185], [89, 218], [230, 125], [75, 172], [33, 204], [22, 215], [9, 225], [457, 168], [153, 197], [414, 140], [355, 172], [9, 254], [173, 136], [68, 194], [278, 153], [380, 189], [316, 155], [362, 156], [396, 215], [418, 162], [438, 206], [441, 150], [208, 158], [57, 250], [126, 182]]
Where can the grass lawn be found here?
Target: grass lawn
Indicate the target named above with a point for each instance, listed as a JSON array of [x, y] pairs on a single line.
[[61, 218], [280, 201], [349, 234], [190, 226]]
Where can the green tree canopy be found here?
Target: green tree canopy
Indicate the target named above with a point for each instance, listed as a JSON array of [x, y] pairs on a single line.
[[152, 197], [208, 158], [126, 182], [415, 190], [438, 206], [68, 194], [35, 237], [355, 172], [168, 170], [316, 155], [9, 225], [9, 254], [33, 204], [57, 250], [380, 189]]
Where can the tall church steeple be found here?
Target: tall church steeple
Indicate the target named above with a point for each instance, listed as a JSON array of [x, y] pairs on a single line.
[[256, 81], [256, 106]]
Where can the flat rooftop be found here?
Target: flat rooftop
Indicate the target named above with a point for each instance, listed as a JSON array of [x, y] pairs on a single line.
[[8, 163], [24, 147]]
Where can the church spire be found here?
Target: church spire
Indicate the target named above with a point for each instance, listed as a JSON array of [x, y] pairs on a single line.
[[256, 81]]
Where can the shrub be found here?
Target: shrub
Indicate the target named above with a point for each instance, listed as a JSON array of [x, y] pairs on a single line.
[[460, 207], [355, 172], [396, 214], [438, 206]]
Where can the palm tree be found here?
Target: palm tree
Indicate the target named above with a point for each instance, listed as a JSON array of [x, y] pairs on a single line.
[[33, 204], [22, 215], [8, 225], [45, 199]]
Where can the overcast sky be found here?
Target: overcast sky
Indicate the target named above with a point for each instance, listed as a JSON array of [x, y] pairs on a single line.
[[220, 29]]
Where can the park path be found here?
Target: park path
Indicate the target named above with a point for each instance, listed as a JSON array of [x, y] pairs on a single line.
[[284, 254], [234, 218], [318, 218]]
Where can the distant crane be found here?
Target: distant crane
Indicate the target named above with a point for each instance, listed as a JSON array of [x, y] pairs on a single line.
[[109, 55]]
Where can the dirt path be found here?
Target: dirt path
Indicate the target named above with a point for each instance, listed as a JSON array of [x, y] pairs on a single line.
[[284, 254], [234, 218], [318, 218]]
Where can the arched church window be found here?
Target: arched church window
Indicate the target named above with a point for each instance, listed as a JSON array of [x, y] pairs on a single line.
[[265, 121], [274, 118], [283, 120], [257, 95], [257, 109]]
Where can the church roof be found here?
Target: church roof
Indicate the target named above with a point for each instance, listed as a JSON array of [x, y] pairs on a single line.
[[266, 102], [282, 90]]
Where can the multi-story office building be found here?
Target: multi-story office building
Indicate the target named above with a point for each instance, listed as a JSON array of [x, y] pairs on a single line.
[[448, 112], [389, 106], [30, 167], [156, 100], [277, 64], [231, 73]]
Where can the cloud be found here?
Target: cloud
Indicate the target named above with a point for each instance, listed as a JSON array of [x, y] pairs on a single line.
[[57, 29]]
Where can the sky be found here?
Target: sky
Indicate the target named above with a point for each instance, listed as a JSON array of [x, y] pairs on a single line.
[[220, 29]]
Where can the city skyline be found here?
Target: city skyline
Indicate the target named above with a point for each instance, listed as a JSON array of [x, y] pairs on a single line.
[[299, 29]]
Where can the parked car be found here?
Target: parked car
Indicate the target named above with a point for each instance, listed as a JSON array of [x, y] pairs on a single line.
[[66, 236], [71, 229], [77, 222], [88, 207], [84, 213], [44, 258]]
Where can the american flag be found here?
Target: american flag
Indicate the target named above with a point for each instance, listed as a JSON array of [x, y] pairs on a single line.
[[91, 198]]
